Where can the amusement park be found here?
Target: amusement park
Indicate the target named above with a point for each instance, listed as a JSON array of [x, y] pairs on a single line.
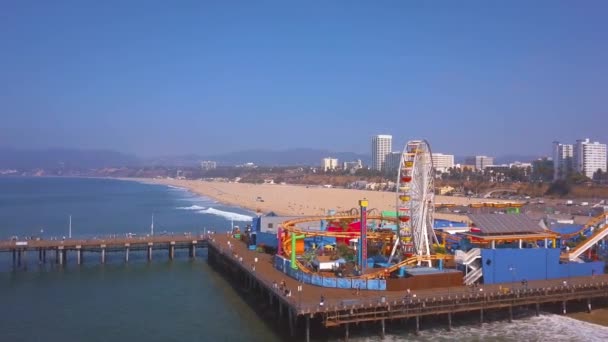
[[406, 248]]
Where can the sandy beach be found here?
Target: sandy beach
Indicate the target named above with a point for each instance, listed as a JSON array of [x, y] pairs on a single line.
[[296, 200]]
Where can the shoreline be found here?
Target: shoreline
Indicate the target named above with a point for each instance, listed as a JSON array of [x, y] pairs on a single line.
[[297, 200], [293, 200], [598, 316]]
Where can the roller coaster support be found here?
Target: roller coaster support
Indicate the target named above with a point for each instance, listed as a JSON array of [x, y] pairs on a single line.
[[293, 249], [362, 253]]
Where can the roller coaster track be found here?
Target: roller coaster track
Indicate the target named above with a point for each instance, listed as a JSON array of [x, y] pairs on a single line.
[[597, 235], [290, 227], [593, 222]]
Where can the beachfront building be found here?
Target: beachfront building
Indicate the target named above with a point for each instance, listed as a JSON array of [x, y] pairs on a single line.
[[442, 162], [329, 164], [562, 160], [589, 157], [381, 146], [208, 165], [480, 162], [353, 165], [391, 162]]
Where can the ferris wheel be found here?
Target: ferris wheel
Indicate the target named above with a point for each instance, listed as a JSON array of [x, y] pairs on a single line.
[[415, 200]]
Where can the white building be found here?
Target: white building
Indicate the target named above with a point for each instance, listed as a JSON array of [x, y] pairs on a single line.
[[208, 165], [442, 162], [329, 163], [381, 146], [589, 157], [562, 160], [480, 162], [353, 165], [520, 165], [391, 162]]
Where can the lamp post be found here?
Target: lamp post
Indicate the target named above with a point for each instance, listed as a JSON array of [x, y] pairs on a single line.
[[300, 296], [512, 270]]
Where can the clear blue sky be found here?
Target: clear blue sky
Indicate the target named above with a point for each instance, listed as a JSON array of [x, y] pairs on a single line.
[[172, 77]]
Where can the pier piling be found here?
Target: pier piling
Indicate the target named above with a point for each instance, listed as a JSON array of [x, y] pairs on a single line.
[[172, 250], [307, 328], [292, 332], [103, 254], [564, 307], [481, 317], [449, 321], [150, 251], [79, 255], [60, 255], [127, 253], [382, 329], [511, 314], [417, 331], [588, 305], [346, 332]]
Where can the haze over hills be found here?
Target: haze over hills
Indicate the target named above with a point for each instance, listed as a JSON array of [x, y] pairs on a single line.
[[11, 158], [288, 157], [505, 159]]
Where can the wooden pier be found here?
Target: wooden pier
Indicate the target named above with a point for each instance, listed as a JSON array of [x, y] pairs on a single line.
[[21, 249], [300, 303]]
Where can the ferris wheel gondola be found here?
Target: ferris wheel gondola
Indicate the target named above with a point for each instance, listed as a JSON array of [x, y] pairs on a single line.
[[415, 200]]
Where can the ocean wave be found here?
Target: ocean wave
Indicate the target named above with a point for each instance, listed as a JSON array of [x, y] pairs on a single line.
[[192, 207], [547, 327], [173, 187], [227, 214]]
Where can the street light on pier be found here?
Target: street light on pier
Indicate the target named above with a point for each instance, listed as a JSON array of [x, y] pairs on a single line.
[[300, 296]]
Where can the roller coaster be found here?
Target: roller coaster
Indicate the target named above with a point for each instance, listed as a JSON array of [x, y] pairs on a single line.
[[291, 232], [597, 229], [411, 242]]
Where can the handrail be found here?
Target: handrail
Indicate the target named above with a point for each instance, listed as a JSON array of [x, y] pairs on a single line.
[[597, 235]]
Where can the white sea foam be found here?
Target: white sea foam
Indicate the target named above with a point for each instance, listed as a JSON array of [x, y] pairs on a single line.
[[547, 327], [192, 207], [173, 187], [227, 214]]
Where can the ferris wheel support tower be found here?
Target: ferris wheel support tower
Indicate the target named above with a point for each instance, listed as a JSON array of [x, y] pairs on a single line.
[[415, 203]]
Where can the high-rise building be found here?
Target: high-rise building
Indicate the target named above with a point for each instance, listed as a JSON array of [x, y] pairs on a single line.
[[381, 146], [442, 162], [562, 160], [589, 157], [480, 162], [329, 164], [208, 165], [391, 162]]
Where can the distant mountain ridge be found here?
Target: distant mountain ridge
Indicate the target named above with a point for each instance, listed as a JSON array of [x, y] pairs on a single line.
[[288, 157], [504, 159], [11, 158]]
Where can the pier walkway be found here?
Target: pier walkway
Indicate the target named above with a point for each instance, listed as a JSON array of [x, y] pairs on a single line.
[[344, 306], [20, 248]]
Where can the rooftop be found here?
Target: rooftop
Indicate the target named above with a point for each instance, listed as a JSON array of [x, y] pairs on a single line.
[[501, 224]]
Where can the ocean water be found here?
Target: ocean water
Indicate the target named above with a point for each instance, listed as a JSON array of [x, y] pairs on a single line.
[[179, 300]]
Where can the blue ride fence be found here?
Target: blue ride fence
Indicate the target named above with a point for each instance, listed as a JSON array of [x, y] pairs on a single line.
[[284, 265]]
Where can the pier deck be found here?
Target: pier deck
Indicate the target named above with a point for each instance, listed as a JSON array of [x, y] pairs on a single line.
[[343, 306], [20, 248]]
